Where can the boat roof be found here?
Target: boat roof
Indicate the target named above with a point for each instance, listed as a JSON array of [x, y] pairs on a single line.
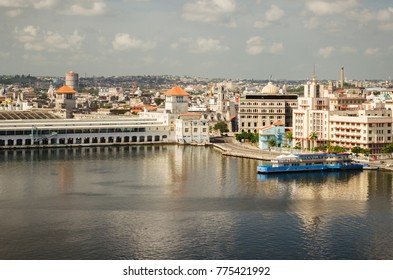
[[323, 154]]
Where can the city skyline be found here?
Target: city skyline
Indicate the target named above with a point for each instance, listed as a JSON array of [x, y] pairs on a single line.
[[255, 39]]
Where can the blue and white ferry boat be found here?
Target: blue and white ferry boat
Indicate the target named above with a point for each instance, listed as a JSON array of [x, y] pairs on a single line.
[[309, 162]]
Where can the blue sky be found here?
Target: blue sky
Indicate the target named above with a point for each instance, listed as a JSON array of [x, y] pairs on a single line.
[[204, 38]]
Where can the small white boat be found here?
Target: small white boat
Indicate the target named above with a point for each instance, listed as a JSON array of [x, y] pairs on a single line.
[[367, 166]]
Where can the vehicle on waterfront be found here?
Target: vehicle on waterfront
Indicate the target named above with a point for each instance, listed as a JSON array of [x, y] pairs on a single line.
[[309, 162]]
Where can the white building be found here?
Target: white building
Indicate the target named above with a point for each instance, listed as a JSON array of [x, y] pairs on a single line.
[[368, 128], [312, 115], [65, 99], [190, 129], [354, 122]]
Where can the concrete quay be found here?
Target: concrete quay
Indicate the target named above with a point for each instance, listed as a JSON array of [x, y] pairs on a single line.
[[245, 151], [236, 149]]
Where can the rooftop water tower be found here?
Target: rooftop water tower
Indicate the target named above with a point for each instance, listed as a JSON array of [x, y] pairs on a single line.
[[72, 80]]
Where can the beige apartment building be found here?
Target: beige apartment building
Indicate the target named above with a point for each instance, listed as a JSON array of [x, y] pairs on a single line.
[[368, 129], [340, 120], [266, 108]]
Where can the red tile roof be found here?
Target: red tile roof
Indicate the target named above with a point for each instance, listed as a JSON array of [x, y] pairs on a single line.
[[190, 115], [176, 91]]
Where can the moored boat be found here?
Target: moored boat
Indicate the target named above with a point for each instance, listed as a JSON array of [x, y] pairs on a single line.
[[367, 166], [310, 162]]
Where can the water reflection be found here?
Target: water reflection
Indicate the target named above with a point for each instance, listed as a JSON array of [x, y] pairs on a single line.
[[184, 202]]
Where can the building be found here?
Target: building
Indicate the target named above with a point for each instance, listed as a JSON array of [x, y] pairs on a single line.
[[31, 129], [311, 116], [190, 129], [176, 101], [72, 80], [266, 108], [275, 132], [368, 128], [65, 99], [340, 119]]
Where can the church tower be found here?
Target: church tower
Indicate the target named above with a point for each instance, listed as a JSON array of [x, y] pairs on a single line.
[[176, 101]]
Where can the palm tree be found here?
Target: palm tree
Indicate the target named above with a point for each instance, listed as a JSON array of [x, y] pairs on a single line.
[[289, 137], [313, 137]]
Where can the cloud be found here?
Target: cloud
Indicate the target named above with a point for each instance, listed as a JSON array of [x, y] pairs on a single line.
[[200, 45], [256, 45], [210, 11], [326, 51], [34, 40], [274, 14], [14, 12], [322, 8], [124, 41], [14, 3], [41, 4], [93, 9], [372, 51], [44, 4]]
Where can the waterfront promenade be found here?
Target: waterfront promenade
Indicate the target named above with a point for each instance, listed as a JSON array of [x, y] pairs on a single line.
[[230, 147]]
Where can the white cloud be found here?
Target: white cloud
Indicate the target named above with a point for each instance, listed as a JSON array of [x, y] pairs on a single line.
[[372, 51], [386, 26], [27, 34], [14, 3], [14, 12], [51, 41], [200, 45], [124, 41], [256, 45], [326, 51], [210, 11], [14, 8], [274, 14], [94, 9], [321, 8], [44, 4], [41, 4]]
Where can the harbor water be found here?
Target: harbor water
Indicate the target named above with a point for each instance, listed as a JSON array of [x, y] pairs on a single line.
[[185, 202]]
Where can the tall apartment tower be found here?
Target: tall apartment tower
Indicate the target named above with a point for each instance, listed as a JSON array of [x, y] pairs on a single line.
[[342, 77], [72, 80]]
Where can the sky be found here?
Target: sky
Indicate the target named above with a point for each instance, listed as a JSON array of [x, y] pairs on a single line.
[[232, 39]]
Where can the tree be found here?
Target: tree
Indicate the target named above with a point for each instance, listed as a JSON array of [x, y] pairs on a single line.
[[272, 143], [313, 137], [289, 137], [252, 137], [335, 149], [356, 150], [158, 101], [221, 126], [366, 152], [388, 148]]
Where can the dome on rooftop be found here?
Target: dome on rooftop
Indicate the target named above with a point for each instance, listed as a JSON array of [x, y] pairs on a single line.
[[270, 89]]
